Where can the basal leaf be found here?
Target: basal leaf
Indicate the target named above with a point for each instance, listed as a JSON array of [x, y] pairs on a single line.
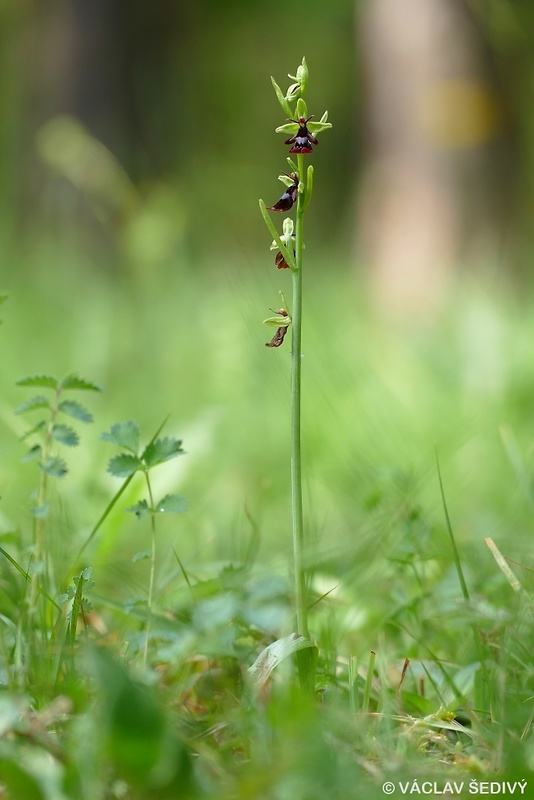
[[274, 654], [55, 466], [74, 382], [161, 450], [75, 410], [172, 504], [65, 435], [35, 402], [46, 381], [124, 434], [140, 509], [123, 465]]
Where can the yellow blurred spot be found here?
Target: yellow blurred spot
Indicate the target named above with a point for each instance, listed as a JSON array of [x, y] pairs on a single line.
[[458, 114]]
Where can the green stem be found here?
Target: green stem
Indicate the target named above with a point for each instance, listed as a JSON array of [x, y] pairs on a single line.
[[152, 571], [296, 369]]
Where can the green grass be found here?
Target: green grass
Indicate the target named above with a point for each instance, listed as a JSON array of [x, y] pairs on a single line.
[[81, 717]]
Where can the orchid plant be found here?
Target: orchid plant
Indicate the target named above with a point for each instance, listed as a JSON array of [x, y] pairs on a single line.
[[302, 135]]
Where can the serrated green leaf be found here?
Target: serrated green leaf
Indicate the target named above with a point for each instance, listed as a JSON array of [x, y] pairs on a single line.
[[74, 382], [33, 454], [65, 435], [172, 504], [35, 402], [46, 381], [55, 466], [140, 509], [124, 434], [123, 465], [40, 425], [161, 450], [144, 554], [75, 410]]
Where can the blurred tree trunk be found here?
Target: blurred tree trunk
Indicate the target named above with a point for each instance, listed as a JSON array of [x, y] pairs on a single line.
[[432, 112]]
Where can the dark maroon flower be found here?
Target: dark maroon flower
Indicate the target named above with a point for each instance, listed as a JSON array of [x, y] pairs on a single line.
[[302, 141], [280, 261], [289, 196]]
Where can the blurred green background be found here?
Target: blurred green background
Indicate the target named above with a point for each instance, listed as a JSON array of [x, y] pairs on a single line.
[[136, 139]]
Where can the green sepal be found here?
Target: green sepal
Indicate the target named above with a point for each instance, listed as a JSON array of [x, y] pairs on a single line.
[[281, 98], [161, 450], [34, 402], [286, 180], [72, 381], [124, 465], [278, 321], [287, 236], [309, 187], [55, 466], [288, 127], [322, 125], [124, 434], [46, 381], [64, 434]]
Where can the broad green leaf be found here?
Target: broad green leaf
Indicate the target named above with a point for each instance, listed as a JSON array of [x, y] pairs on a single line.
[[124, 434], [144, 554], [3, 298], [161, 450], [35, 402], [46, 381], [123, 465], [74, 382], [274, 654], [75, 410], [140, 509], [33, 454], [54, 466], [172, 504], [65, 435]]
